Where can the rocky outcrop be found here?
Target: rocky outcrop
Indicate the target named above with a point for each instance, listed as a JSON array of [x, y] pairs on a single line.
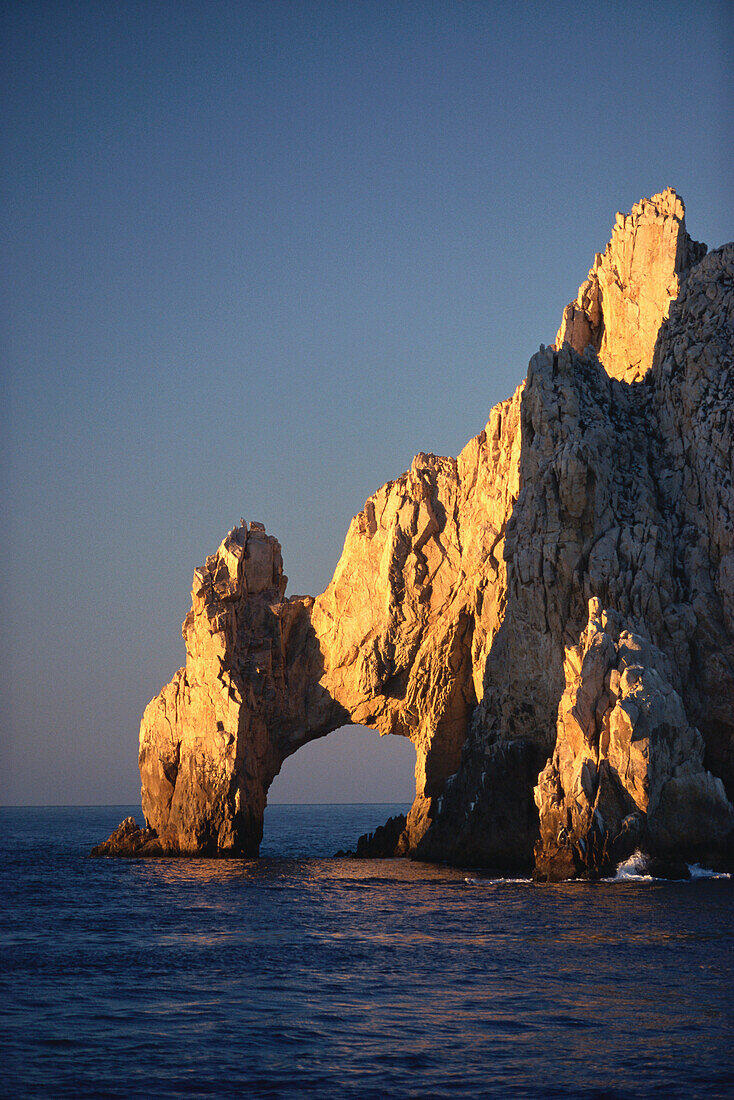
[[417, 598], [248, 697], [549, 617], [128, 839], [619, 309], [627, 770], [393, 643], [386, 841]]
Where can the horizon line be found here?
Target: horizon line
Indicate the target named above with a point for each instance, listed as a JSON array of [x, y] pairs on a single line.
[[127, 805]]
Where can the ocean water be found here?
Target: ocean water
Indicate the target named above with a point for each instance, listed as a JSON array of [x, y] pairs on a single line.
[[306, 976]]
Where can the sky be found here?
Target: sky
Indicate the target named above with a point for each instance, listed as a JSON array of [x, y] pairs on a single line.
[[255, 256]]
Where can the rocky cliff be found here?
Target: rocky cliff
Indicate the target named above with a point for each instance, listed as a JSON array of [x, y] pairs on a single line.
[[548, 617]]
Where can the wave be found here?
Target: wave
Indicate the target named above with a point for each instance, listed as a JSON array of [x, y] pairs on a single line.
[[697, 871], [637, 869], [633, 869], [498, 881]]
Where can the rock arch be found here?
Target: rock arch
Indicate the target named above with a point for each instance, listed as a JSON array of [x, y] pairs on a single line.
[[392, 644], [523, 613]]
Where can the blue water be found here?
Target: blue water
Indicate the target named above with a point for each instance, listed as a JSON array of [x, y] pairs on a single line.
[[305, 976]]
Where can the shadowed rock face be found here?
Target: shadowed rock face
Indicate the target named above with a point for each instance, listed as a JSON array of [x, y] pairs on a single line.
[[548, 617]]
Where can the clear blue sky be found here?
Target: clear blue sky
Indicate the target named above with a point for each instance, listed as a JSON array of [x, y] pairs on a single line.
[[254, 257]]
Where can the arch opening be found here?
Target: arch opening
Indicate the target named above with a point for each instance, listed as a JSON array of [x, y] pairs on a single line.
[[335, 789]]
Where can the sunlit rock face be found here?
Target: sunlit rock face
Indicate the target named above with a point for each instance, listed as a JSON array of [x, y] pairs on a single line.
[[619, 309], [248, 696], [548, 617], [396, 642]]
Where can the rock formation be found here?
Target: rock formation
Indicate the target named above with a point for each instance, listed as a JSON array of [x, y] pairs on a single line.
[[249, 696], [626, 499], [129, 839], [627, 767], [619, 309], [549, 617]]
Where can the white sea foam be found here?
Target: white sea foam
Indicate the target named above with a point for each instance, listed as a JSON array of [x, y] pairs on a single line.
[[697, 871], [498, 881], [633, 869]]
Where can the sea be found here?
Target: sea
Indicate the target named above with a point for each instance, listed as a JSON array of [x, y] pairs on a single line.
[[304, 975]]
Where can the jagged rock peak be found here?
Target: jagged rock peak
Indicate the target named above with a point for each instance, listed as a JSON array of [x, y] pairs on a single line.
[[620, 307]]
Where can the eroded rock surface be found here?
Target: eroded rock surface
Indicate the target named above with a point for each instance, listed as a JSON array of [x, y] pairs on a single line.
[[619, 309], [626, 498], [627, 770], [386, 841], [488, 607], [248, 696], [393, 643]]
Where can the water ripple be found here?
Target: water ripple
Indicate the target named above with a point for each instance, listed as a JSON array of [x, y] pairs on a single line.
[[333, 977]]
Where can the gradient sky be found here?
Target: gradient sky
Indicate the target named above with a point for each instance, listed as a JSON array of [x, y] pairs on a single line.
[[254, 258]]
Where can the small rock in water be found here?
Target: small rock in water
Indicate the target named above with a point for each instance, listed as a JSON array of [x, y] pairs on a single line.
[[128, 839], [384, 843]]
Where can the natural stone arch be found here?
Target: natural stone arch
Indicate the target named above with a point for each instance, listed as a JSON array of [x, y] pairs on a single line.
[[466, 611], [265, 675]]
